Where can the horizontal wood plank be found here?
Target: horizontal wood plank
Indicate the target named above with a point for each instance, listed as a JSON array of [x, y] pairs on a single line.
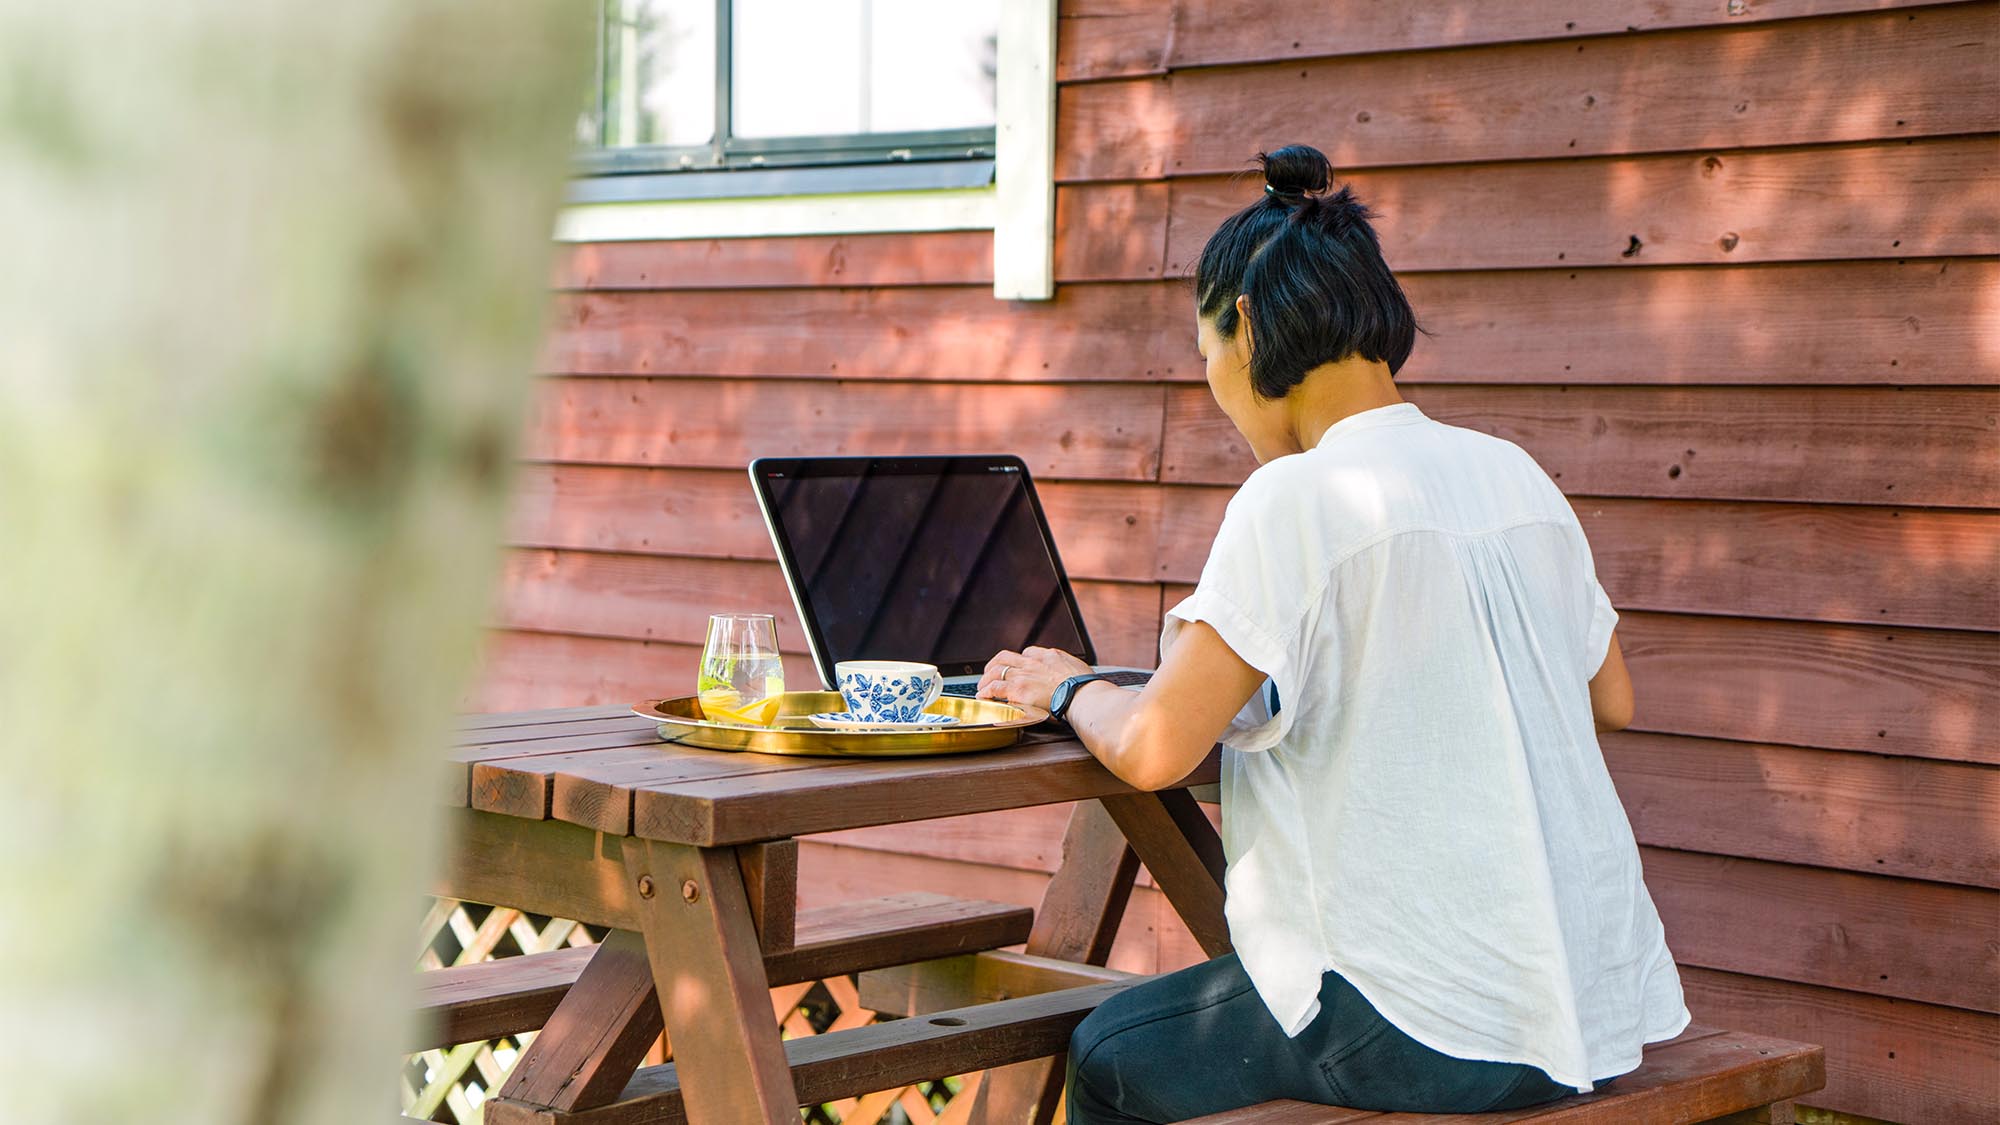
[[523, 784], [1864, 933], [1151, 939], [863, 1059], [1789, 205], [974, 978], [459, 765], [1100, 39], [1933, 447], [1922, 693], [663, 598], [527, 669], [931, 258], [1899, 322], [748, 809], [602, 721], [1814, 562], [1863, 565], [1919, 693], [1103, 232], [1111, 232], [1909, 817], [491, 999], [940, 333], [1103, 530], [1927, 567], [1894, 1059], [1927, 72], [496, 720], [1703, 1076], [1094, 432]]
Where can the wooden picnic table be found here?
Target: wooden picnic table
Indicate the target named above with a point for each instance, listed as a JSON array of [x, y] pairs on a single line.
[[689, 856]]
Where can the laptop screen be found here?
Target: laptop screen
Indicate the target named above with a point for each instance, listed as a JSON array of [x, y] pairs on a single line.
[[944, 560]]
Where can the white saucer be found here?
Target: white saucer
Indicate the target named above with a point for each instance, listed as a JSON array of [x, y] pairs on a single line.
[[846, 720]]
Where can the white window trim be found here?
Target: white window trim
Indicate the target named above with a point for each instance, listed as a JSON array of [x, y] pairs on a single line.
[[1019, 207], [1024, 152]]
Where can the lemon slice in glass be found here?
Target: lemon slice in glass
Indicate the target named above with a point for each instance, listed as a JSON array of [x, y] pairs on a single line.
[[723, 705]]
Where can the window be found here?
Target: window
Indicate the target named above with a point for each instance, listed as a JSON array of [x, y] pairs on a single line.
[[685, 85]]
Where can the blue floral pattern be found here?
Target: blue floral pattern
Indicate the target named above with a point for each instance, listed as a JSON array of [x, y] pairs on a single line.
[[892, 697]]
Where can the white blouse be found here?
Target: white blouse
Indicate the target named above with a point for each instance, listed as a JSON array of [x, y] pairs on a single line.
[[1429, 812]]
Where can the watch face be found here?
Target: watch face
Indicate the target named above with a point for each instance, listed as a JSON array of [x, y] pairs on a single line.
[[1059, 699]]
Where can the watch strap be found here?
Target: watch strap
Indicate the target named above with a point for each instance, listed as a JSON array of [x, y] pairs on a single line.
[[1065, 693]]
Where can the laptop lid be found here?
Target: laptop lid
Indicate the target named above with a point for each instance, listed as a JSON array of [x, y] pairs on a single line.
[[946, 560]]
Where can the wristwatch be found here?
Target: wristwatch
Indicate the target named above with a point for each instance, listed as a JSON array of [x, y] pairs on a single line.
[[1065, 692]]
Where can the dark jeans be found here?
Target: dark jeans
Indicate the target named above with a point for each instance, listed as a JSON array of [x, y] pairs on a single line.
[[1201, 1041]]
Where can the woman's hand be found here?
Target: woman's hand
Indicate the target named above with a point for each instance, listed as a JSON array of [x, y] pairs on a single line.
[[1029, 677]]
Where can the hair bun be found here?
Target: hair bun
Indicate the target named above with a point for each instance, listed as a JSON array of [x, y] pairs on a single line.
[[1296, 171]]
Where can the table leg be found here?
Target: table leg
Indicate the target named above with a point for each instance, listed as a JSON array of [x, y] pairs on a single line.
[[710, 975], [1183, 853], [1078, 919]]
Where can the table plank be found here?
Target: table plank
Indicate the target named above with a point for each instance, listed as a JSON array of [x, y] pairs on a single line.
[[596, 792], [525, 732], [525, 784], [862, 793], [490, 720], [462, 765]]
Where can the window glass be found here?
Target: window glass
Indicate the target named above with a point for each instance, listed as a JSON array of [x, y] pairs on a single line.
[[657, 74], [819, 67]]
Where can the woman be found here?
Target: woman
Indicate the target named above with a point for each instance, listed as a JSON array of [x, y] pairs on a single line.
[[1433, 893]]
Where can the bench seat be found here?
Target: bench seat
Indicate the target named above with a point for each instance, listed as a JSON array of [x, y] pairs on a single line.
[[492, 999], [1705, 1075]]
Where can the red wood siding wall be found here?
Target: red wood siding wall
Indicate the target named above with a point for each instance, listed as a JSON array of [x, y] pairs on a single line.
[[1726, 269]]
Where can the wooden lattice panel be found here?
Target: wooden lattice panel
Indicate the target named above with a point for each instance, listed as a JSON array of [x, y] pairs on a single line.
[[450, 1084]]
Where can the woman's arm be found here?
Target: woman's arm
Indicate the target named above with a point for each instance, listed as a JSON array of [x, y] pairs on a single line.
[[1149, 739], [1611, 690]]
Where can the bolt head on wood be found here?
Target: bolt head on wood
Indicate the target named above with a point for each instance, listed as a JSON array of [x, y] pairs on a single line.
[[690, 891], [646, 886]]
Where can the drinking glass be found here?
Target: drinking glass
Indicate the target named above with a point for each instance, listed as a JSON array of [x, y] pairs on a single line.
[[742, 675]]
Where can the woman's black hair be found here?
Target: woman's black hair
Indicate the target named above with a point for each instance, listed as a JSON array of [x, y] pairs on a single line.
[[1308, 260]]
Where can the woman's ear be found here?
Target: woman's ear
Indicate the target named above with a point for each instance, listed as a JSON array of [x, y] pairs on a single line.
[[1243, 321]]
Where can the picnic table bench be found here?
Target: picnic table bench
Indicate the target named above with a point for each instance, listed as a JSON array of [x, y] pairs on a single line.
[[689, 858]]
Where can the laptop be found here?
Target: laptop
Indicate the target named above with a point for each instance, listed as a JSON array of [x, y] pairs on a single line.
[[943, 560]]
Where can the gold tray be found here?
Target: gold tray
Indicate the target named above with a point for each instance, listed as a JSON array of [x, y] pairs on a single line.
[[983, 724]]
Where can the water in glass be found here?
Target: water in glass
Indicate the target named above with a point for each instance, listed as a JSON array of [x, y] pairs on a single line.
[[742, 675]]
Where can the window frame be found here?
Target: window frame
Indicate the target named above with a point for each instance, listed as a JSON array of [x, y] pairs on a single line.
[[725, 151], [1018, 206]]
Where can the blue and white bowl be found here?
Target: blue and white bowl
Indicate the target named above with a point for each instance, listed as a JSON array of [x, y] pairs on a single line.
[[887, 691]]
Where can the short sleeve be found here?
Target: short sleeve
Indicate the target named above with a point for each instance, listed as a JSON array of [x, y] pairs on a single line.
[[1263, 577], [1603, 619]]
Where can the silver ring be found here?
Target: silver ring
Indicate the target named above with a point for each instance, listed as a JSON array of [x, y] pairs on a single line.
[[1004, 669]]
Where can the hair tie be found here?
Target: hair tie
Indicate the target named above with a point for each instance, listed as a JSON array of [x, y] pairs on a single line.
[[1283, 195]]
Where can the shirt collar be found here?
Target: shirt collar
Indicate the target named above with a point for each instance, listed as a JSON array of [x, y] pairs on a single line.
[[1394, 414]]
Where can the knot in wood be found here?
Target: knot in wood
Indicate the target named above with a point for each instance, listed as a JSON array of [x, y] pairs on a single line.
[[690, 891]]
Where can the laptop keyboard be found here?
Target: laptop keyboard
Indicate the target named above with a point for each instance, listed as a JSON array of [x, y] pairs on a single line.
[[1122, 679]]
